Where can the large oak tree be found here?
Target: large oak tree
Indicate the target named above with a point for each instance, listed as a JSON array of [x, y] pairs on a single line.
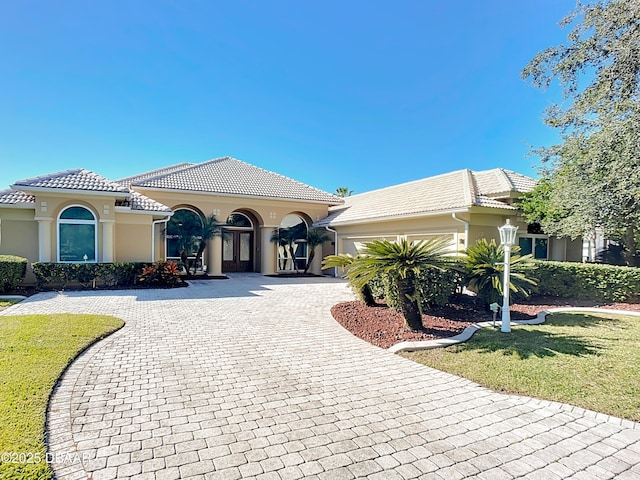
[[592, 179]]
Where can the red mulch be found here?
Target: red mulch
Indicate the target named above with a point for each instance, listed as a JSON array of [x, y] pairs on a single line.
[[384, 327]]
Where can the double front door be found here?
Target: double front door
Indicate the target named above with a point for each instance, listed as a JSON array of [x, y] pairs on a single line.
[[237, 251]]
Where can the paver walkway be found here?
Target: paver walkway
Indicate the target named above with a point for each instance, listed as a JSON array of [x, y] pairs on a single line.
[[251, 378]]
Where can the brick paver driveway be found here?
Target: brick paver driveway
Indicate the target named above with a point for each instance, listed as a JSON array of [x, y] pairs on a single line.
[[251, 378]]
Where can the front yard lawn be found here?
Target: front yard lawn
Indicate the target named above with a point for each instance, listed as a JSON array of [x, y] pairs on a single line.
[[588, 360], [34, 351]]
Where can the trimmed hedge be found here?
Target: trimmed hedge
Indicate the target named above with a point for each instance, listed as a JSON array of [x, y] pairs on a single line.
[[87, 275], [436, 288], [588, 281], [12, 272]]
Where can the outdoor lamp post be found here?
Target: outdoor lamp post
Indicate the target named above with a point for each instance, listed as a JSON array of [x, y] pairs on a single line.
[[507, 239]]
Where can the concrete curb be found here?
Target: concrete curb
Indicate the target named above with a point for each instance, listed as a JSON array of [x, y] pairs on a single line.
[[12, 297], [469, 331]]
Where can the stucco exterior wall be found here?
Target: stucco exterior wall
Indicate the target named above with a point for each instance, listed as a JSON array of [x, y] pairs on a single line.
[[266, 213], [19, 236], [50, 205], [133, 238]]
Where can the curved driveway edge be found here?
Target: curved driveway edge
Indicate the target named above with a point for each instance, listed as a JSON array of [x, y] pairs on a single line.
[[468, 332], [252, 378]]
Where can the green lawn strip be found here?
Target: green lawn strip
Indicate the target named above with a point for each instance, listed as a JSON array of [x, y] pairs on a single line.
[[34, 352], [587, 360], [7, 302]]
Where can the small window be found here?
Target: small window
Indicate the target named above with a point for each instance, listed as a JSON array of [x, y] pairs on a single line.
[[536, 245], [77, 235]]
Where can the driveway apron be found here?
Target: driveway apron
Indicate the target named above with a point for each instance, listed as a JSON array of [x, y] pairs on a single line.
[[251, 377]]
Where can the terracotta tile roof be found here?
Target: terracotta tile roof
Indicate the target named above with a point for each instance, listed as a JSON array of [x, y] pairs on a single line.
[[234, 177], [500, 182], [139, 202], [83, 181], [154, 173], [457, 190], [12, 197], [78, 179]]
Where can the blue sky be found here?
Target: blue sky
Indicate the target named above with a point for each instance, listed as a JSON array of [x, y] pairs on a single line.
[[362, 94]]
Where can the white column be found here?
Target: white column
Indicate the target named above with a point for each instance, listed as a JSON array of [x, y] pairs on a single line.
[[316, 264], [268, 254], [214, 256], [44, 239], [506, 312], [107, 241]]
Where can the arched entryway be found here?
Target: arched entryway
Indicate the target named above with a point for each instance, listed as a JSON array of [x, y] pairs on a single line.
[[238, 240]]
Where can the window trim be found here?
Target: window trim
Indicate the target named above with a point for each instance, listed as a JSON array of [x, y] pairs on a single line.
[[70, 221], [534, 237]]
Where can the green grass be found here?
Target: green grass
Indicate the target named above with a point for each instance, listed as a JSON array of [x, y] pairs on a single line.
[[7, 302], [588, 360], [34, 351]]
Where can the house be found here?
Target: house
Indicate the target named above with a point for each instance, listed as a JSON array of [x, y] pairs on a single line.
[[80, 216], [463, 205]]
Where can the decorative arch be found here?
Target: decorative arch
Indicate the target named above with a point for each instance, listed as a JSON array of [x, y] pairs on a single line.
[[77, 228]]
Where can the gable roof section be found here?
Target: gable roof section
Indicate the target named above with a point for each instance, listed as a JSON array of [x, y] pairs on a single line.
[[229, 176], [448, 192], [79, 181]]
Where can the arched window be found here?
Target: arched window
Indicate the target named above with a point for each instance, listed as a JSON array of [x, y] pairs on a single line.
[[292, 243], [239, 220], [77, 235]]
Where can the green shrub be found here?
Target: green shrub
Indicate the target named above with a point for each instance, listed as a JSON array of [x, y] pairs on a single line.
[[435, 287], [12, 271], [484, 271], [119, 273], [588, 281], [87, 275], [160, 274], [51, 274]]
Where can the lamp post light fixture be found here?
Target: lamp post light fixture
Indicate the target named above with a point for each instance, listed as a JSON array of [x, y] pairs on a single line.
[[507, 239]]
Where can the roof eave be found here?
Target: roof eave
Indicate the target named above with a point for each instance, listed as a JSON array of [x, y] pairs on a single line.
[[72, 191], [23, 205], [121, 209], [233, 195], [392, 218]]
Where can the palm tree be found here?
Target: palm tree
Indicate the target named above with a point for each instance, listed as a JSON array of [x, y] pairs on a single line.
[[286, 238], [315, 238], [344, 260], [484, 265], [402, 261], [208, 229], [343, 192]]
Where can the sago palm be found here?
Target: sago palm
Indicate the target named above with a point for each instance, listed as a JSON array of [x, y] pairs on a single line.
[[402, 262], [484, 265], [345, 261]]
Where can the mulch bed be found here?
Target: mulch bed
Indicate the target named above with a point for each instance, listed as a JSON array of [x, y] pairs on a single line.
[[384, 327]]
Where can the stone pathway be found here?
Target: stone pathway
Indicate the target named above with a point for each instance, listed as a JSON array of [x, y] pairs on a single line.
[[251, 378]]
